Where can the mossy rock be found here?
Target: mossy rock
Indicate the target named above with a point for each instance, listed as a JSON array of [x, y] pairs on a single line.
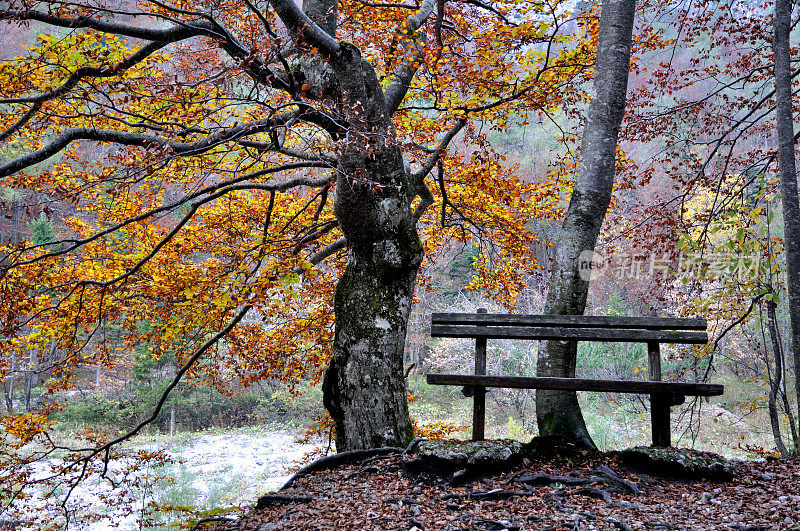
[[545, 448], [457, 461], [679, 463]]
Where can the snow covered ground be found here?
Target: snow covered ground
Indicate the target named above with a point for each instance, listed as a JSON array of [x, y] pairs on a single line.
[[261, 459], [210, 470]]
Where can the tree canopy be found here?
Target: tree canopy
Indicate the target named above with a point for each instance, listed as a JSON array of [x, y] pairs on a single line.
[[213, 164], [256, 190]]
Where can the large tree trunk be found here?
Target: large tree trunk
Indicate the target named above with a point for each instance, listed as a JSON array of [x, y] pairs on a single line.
[[364, 388], [788, 174], [558, 412]]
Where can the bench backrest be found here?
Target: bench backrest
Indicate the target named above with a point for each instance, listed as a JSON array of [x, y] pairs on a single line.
[[575, 327]]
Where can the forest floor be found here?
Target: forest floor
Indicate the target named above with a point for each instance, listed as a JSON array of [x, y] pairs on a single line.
[[378, 494]]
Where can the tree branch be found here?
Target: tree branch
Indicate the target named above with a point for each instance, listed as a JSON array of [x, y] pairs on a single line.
[[304, 30], [25, 118], [91, 71], [404, 74], [204, 27], [279, 186], [142, 140], [174, 33], [324, 253], [437, 154], [175, 381]]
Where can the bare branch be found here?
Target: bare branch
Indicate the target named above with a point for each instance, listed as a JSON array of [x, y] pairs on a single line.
[[296, 153], [489, 7], [426, 199], [172, 34], [324, 253], [416, 21], [262, 18]]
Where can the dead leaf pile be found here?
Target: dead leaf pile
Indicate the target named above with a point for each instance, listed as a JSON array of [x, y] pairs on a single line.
[[589, 492]]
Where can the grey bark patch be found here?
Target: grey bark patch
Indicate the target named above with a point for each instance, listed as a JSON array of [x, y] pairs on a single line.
[[679, 463]]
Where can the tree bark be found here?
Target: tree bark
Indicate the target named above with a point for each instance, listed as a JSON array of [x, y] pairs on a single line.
[[364, 389], [788, 174], [558, 412], [775, 378], [323, 12], [32, 377], [8, 385]]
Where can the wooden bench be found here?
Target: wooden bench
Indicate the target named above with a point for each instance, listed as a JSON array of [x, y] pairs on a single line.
[[650, 330]]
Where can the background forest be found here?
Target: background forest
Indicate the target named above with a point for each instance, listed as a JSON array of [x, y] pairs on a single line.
[[128, 264]]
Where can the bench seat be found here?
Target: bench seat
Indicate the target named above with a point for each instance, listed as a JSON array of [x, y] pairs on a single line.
[[577, 384]]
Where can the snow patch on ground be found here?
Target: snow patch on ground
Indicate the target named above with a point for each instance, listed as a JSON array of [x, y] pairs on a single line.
[[263, 459], [210, 470]]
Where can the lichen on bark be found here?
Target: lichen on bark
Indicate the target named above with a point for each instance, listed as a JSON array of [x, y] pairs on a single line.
[[364, 388]]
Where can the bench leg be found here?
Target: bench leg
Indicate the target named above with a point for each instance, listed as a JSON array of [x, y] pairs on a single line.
[[479, 413], [479, 401], [659, 414]]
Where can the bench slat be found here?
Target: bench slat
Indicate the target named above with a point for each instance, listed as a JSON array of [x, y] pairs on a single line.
[[578, 384], [601, 334], [569, 321]]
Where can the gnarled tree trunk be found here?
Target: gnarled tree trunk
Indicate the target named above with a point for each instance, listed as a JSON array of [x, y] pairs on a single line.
[[558, 412], [364, 388]]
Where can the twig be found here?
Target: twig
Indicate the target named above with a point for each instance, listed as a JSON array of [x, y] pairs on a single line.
[[495, 494]]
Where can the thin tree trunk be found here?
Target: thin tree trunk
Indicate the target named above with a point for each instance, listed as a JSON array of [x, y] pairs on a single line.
[[8, 385], [787, 407], [16, 213], [32, 378], [7, 396], [558, 412], [775, 378], [28, 386], [788, 174]]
